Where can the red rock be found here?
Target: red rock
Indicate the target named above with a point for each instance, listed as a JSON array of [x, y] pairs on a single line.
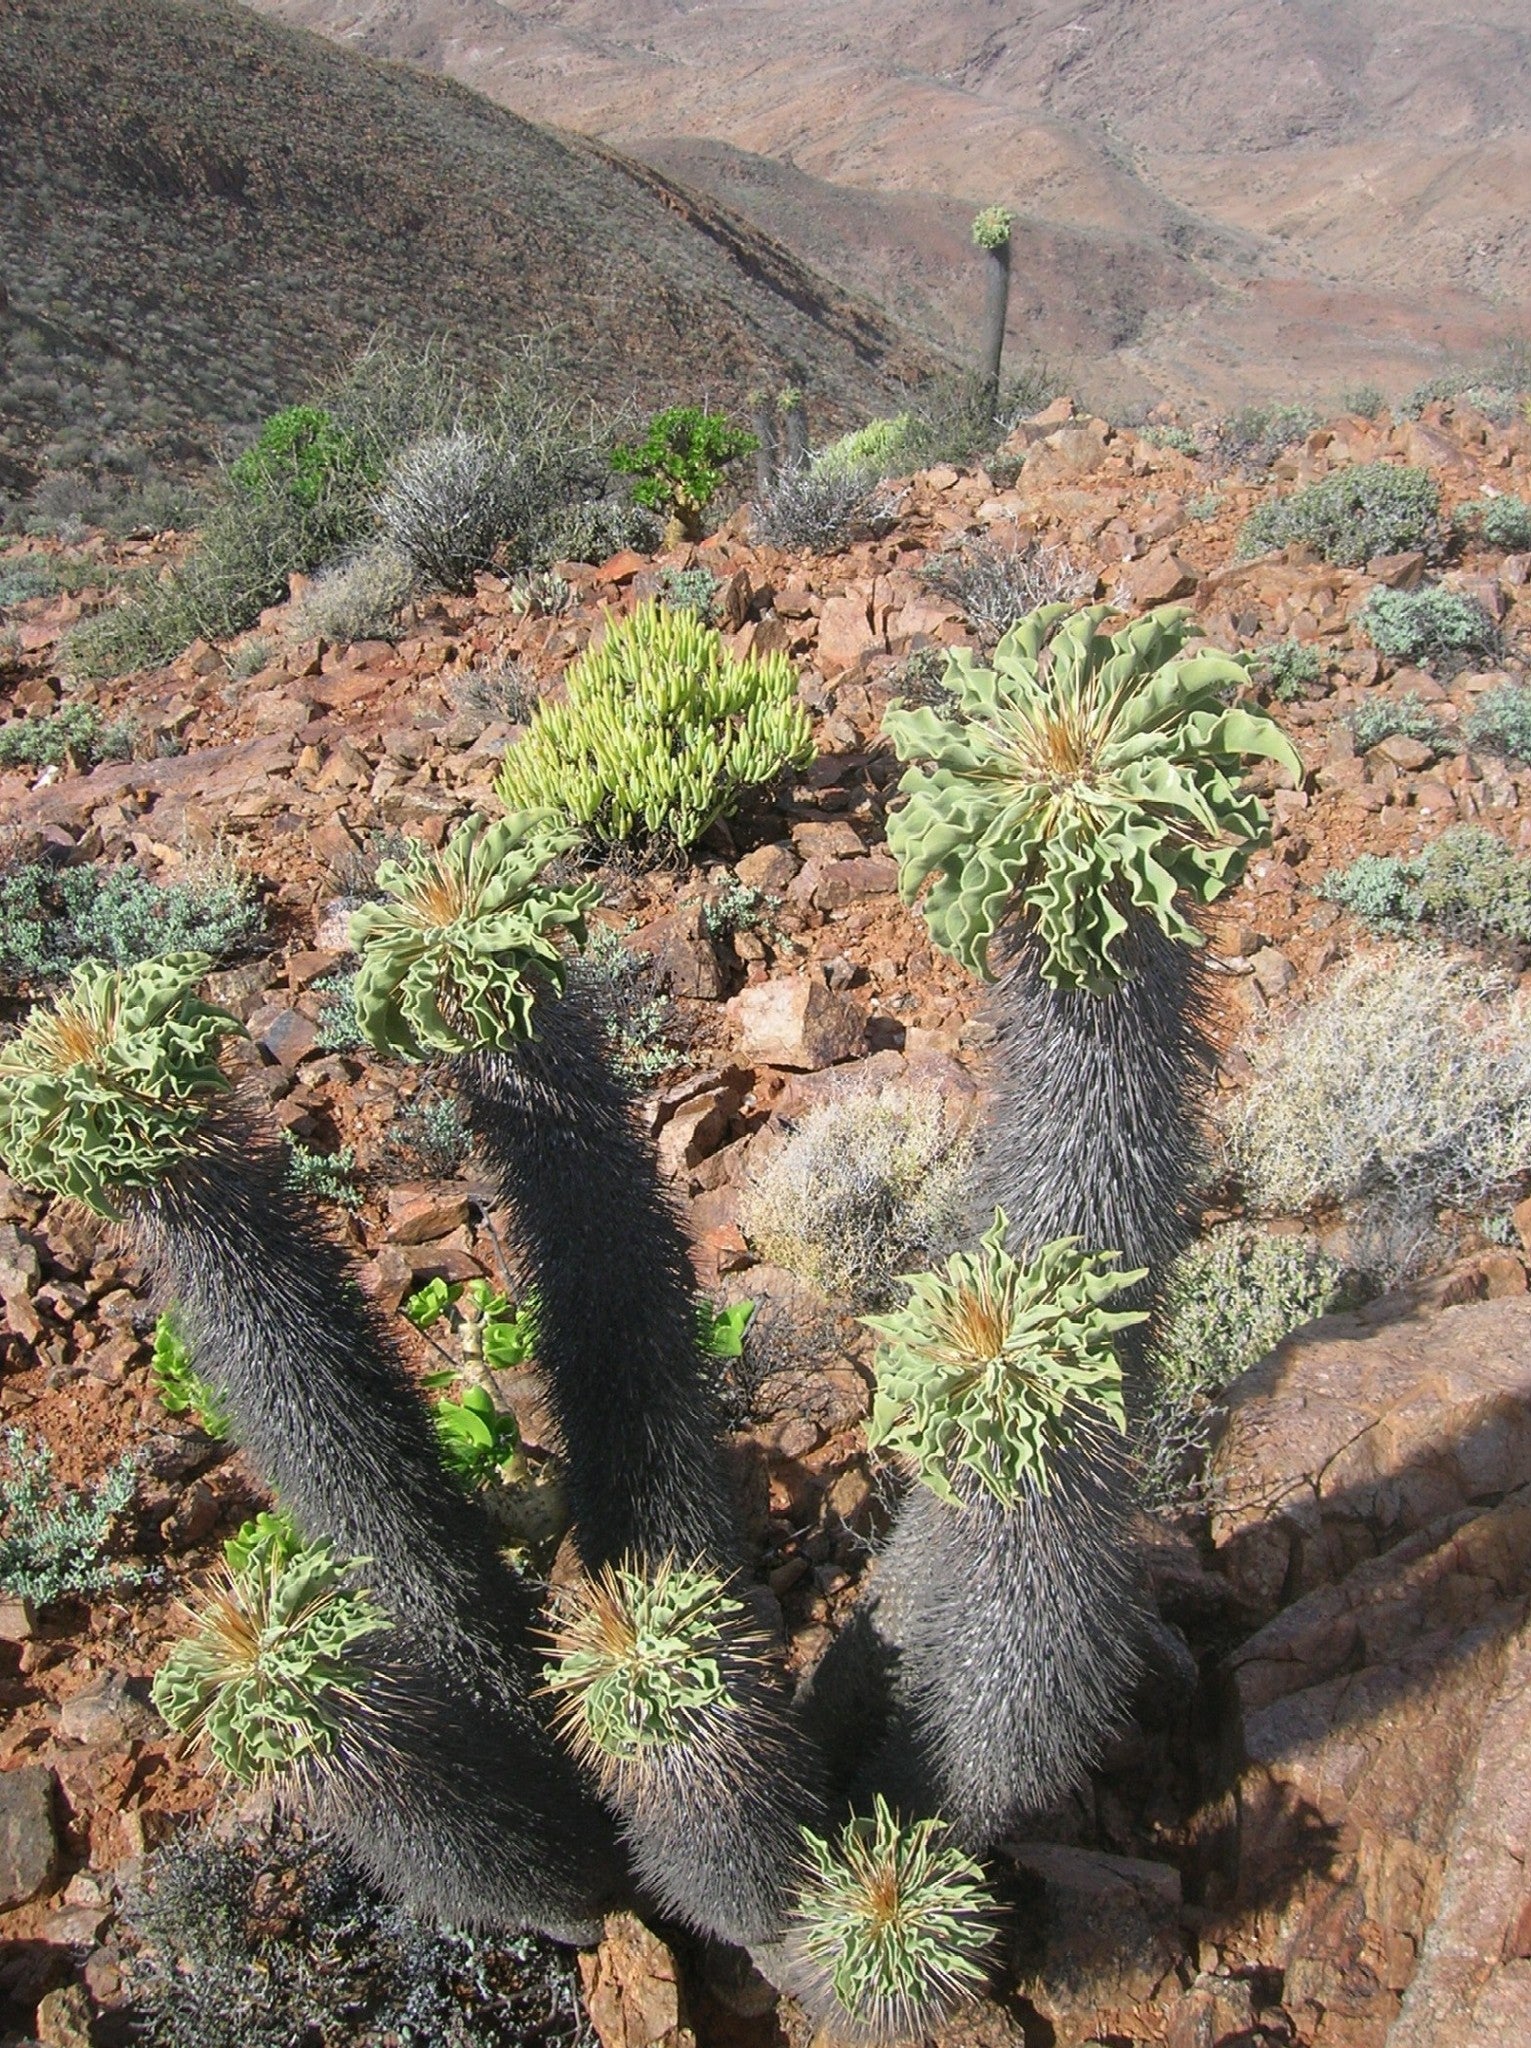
[[684, 955], [849, 881], [846, 633], [420, 1214], [795, 1021], [29, 1845], [621, 568], [286, 1034], [769, 868], [1158, 579], [1398, 572], [834, 839], [696, 1129]]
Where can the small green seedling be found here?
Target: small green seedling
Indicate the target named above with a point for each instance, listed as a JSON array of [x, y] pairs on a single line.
[[722, 1330], [480, 1442], [181, 1388]]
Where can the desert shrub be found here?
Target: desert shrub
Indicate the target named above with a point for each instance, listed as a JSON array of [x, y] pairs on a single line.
[[689, 590], [1227, 1301], [448, 503], [953, 418], [821, 509], [660, 732], [74, 729], [64, 505], [679, 464], [1468, 886], [1179, 439], [358, 599], [328, 1176], [1256, 435], [1403, 1087], [1203, 507], [1351, 515], [500, 692], [270, 1938], [864, 1189], [53, 918], [1500, 722], [302, 453], [638, 1018], [1502, 522], [543, 594], [1288, 669], [877, 449], [24, 578], [1441, 628], [337, 1025], [920, 678], [52, 1539], [1384, 718], [251, 656], [431, 1136], [598, 528], [999, 578], [1363, 401]]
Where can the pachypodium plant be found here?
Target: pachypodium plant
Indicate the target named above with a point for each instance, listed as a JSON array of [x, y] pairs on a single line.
[[273, 1665], [893, 1929], [991, 233]]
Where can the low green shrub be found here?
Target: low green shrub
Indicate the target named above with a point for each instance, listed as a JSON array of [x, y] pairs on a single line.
[[1289, 669], [1206, 505], [1178, 439], [878, 449], [680, 463], [302, 453], [1442, 629], [431, 1137], [74, 729], [52, 1539], [1502, 522], [51, 919], [1383, 718], [1468, 887], [26, 577], [595, 529], [1347, 517], [660, 732], [1500, 722], [1256, 435], [1227, 1301], [689, 590], [181, 1388], [1363, 401], [338, 1028], [329, 1176]]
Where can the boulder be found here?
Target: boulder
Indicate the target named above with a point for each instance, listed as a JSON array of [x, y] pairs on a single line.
[[633, 1989], [1107, 1939], [29, 1846], [795, 1021]]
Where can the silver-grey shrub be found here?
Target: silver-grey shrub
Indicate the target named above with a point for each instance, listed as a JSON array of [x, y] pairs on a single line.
[[1000, 577], [358, 599], [821, 509], [447, 504]]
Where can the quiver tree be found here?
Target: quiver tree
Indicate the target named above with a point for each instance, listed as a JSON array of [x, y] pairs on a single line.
[[114, 1097], [991, 233], [461, 961]]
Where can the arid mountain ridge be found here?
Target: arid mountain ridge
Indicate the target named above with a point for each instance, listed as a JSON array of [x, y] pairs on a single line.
[[1221, 197]]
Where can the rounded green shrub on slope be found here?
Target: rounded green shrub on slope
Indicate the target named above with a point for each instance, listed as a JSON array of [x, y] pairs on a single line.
[[1372, 508]]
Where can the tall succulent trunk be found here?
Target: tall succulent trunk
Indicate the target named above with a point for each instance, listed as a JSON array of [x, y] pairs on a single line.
[[330, 1418], [996, 312], [635, 1400], [763, 425], [794, 421]]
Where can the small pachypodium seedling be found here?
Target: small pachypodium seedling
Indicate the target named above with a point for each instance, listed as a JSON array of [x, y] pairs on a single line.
[[455, 960], [993, 1365], [104, 1090], [640, 1662], [181, 1388], [1085, 776], [272, 1669], [892, 1928]]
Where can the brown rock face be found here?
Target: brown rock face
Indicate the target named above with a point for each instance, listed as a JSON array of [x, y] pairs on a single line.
[[632, 1989], [796, 1022], [28, 1835]]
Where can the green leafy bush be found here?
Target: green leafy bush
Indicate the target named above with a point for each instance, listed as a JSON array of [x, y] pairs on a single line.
[[490, 1329], [304, 454], [1468, 886], [681, 460], [1227, 1301], [1347, 517], [52, 1540], [876, 450], [74, 729], [1178, 439], [1442, 628], [661, 731], [1384, 718], [329, 1176], [1503, 522], [1289, 669], [1500, 722], [181, 1388], [1363, 401], [54, 919], [478, 1439]]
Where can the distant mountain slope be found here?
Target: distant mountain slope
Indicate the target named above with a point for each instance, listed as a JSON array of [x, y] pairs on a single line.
[[1308, 188], [200, 211]]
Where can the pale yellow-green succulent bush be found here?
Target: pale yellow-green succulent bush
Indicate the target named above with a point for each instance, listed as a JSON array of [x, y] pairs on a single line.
[[991, 1365], [103, 1089], [661, 732], [1083, 776], [454, 959]]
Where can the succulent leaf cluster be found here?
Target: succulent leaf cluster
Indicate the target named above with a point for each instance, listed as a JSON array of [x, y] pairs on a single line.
[[454, 960], [897, 1922], [661, 731], [991, 1364], [1083, 777], [991, 227], [102, 1090], [640, 1659], [271, 1669]]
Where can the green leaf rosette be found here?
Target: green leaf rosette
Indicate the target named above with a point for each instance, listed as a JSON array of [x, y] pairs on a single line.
[[1084, 776], [103, 1090], [991, 1365], [454, 961]]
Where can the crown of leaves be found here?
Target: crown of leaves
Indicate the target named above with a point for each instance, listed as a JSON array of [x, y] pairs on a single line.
[[454, 961], [990, 1363], [991, 227], [1086, 775], [269, 1673], [102, 1090], [641, 1657], [898, 1922]]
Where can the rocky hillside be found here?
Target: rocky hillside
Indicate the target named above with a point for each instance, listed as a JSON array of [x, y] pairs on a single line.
[[1337, 188], [1321, 1841], [202, 212]]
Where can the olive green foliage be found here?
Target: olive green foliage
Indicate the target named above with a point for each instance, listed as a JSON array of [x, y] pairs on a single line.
[[1500, 722], [680, 462], [638, 1662], [1180, 439], [1084, 776], [53, 919], [991, 227], [897, 1922], [1257, 434], [1347, 517], [1226, 1302], [1442, 628], [304, 454], [878, 449], [180, 1387], [329, 1176], [1502, 522], [1363, 401], [661, 732], [1204, 506], [991, 1365], [103, 1091], [1288, 669], [338, 1030], [271, 1669], [1467, 886], [456, 956], [597, 528], [1384, 718], [52, 1540], [74, 730], [272, 1535]]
